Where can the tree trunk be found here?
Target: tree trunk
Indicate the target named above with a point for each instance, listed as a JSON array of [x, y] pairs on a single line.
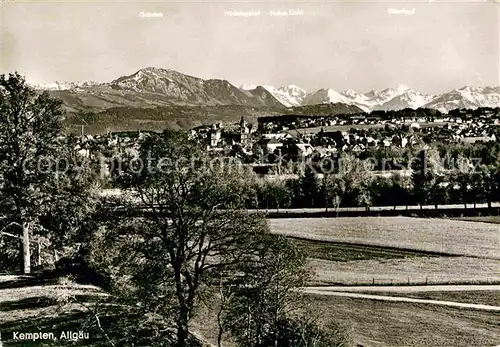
[[38, 254], [219, 338], [26, 254], [436, 206], [182, 328], [489, 203]]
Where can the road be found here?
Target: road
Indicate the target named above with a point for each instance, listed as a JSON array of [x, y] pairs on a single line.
[[350, 292]]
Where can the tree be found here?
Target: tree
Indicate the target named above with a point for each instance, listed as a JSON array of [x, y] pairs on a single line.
[[399, 190], [268, 294], [479, 186], [279, 193], [462, 178], [192, 230], [334, 189], [69, 216], [30, 148], [425, 174], [308, 187], [303, 332], [358, 180], [488, 183]]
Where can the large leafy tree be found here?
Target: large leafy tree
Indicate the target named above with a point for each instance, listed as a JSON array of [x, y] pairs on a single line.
[[267, 295], [278, 193], [426, 172], [191, 230], [41, 185], [334, 189], [308, 187], [352, 183], [29, 137]]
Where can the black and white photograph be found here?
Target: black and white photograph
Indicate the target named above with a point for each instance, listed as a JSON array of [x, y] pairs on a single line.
[[238, 173]]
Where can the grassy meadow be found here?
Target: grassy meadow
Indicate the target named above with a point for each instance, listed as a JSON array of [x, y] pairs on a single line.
[[395, 250], [449, 237], [421, 270], [381, 323]]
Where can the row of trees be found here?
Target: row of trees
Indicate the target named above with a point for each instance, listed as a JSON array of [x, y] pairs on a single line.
[[355, 185], [190, 241]]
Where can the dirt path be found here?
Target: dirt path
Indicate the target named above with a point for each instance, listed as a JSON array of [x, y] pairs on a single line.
[[349, 292], [410, 289]]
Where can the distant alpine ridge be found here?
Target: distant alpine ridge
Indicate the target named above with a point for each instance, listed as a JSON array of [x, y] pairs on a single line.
[[164, 87], [392, 98]]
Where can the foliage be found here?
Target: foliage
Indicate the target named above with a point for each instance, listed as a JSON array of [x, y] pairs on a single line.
[[43, 181], [192, 231], [268, 293]]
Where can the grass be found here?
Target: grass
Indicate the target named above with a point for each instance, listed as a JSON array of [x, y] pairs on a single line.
[[444, 236], [56, 305], [395, 250], [416, 270], [31, 307], [383, 323], [343, 252], [377, 323]]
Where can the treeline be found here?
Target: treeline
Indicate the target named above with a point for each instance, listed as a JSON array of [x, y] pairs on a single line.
[[431, 180], [158, 118]]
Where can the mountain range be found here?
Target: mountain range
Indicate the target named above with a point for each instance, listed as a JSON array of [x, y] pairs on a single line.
[[150, 87], [391, 98]]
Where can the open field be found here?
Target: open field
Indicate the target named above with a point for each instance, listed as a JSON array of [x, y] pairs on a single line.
[[381, 323], [395, 298], [338, 251], [430, 235], [396, 250], [417, 270]]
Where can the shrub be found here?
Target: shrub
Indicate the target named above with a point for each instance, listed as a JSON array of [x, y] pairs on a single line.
[[301, 332]]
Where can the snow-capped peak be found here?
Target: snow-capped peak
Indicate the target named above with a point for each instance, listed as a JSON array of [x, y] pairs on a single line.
[[294, 91], [324, 96], [289, 96], [402, 88], [63, 85], [350, 93], [409, 98], [466, 97], [248, 86]]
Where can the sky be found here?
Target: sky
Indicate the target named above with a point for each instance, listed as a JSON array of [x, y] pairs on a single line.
[[435, 47]]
